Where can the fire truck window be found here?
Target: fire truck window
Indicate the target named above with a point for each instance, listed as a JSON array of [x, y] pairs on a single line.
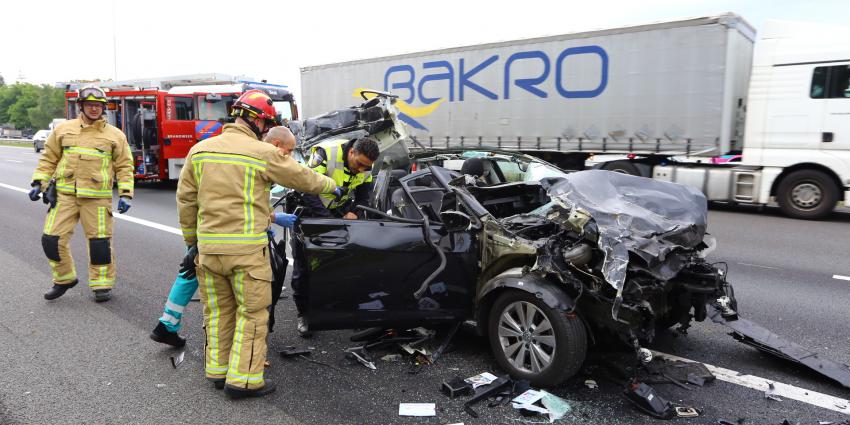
[[213, 110], [284, 109], [183, 109]]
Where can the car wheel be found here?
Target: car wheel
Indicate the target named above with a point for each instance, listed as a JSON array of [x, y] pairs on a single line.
[[533, 341], [35, 146], [807, 194], [624, 167]]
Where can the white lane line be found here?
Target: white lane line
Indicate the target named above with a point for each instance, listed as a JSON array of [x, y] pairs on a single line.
[[814, 398], [14, 188], [14, 160], [16, 147], [147, 223], [839, 277], [759, 266]]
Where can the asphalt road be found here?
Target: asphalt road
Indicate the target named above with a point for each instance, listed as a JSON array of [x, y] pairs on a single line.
[[74, 361]]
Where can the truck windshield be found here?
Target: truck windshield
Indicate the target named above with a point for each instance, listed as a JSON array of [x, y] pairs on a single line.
[[214, 110]]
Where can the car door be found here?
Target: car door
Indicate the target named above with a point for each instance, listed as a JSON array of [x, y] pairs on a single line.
[[364, 273]]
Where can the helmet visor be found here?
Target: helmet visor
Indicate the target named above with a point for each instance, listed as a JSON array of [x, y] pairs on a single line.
[[92, 94]]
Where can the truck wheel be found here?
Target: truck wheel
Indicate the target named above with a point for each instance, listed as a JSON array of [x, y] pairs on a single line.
[[624, 167], [807, 194], [533, 341]]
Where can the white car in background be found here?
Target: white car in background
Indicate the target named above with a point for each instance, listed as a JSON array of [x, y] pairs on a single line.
[[38, 139]]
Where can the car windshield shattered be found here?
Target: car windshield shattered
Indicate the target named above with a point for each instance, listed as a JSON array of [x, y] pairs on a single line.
[[540, 260]]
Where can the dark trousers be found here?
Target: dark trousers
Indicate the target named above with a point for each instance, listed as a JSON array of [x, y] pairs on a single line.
[[299, 272]]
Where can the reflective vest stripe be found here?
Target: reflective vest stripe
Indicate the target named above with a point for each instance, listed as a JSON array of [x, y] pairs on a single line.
[[230, 159], [87, 151]]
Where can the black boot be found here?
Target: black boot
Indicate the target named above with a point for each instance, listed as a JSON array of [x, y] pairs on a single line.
[[101, 295], [303, 327], [218, 383], [162, 334], [237, 393], [58, 290]]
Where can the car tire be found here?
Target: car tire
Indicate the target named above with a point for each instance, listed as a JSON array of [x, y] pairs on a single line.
[[519, 355], [807, 194], [35, 146], [624, 167]]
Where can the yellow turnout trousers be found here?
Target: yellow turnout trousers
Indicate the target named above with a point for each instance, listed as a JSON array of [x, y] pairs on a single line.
[[235, 291], [96, 216]]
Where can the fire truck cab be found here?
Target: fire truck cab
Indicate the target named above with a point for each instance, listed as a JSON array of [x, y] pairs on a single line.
[[163, 118]]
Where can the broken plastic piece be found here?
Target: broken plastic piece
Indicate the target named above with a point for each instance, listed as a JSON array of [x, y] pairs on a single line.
[[176, 360], [484, 393], [391, 357], [696, 379], [591, 384], [359, 354], [686, 412], [770, 393], [764, 340], [456, 387], [644, 398]]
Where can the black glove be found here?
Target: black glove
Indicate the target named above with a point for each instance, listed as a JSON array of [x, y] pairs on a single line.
[[35, 193], [187, 267], [49, 197]]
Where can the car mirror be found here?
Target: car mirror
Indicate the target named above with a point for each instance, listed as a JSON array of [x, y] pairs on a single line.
[[455, 221]]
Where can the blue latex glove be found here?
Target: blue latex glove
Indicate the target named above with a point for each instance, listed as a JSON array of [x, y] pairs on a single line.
[[35, 193], [123, 204], [337, 193], [285, 220]]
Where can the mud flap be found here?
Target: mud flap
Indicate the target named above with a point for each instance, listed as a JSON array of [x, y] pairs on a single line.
[[764, 340], [50, 244], [99, 251]]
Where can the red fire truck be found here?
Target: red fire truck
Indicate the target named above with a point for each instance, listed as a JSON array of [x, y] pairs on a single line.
[[164, 117]]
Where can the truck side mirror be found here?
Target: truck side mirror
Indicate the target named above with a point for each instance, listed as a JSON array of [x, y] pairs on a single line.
[[455, 221]]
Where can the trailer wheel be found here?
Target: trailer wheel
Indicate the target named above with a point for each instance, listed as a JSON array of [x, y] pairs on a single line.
[[807, 194], [624, 167]]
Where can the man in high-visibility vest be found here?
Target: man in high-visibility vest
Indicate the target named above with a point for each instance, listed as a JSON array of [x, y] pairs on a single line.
[[81, 160], [223, 205], [349, 164]]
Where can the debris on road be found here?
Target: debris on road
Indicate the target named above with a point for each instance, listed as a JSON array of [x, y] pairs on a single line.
[[645, 399], [176, 360], [391, 358], [456, 387], [359, 355], [292, 351], [590, 383], [686, 412], [417, 409], [481, 379], [770, 393]]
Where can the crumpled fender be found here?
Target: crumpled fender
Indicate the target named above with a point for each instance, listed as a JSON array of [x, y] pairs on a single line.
[[543, 289]]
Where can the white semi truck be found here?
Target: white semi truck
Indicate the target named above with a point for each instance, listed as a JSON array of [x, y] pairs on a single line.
[[665, 101]]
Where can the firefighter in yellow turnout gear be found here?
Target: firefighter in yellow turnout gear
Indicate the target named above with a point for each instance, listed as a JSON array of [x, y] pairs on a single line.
[[81, 160], [223, 204]]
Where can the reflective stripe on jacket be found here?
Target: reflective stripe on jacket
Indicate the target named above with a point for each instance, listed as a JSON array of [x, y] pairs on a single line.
[[335, 168], [223, 192], [84, 159]]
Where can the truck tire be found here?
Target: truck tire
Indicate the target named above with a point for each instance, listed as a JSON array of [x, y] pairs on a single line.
[[521, 325], [807, 194], [624, 167]]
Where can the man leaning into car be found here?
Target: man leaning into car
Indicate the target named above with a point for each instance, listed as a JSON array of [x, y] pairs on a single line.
[[349, 164]]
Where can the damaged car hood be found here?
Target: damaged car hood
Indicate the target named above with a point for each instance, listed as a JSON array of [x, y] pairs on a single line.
[[630, 215]]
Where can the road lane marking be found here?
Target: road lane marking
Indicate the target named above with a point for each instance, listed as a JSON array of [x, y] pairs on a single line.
[[839, 277], [814, 398], [16, 147], [756, 265], [14, 188], [14, 160]]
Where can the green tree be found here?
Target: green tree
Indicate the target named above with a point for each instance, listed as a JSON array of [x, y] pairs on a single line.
[[51, 104], [19, 111], [2, 81]]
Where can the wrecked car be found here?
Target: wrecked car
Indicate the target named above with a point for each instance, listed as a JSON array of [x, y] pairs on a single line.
[[541, 261]]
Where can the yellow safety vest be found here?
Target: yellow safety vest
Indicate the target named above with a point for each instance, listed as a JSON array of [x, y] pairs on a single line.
[[334, 167]]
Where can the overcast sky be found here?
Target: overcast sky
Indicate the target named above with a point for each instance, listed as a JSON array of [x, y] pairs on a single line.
[[50, 41]]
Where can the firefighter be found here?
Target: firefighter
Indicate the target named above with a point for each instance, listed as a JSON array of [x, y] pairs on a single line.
[[349, 164], [81, 160], [223, 206], [185, 284]]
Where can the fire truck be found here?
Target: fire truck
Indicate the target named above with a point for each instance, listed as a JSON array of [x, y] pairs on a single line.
[[164, 117]]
